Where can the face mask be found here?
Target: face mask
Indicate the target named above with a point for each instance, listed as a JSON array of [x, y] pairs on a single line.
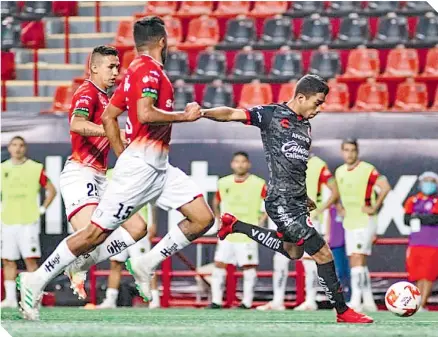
[[428, 187]]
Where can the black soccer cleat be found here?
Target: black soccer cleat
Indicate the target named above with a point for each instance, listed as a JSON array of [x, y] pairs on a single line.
[[243, 306], [214, 306]]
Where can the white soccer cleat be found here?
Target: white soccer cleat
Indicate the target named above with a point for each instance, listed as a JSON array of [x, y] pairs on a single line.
[[106, 305], [307, 306], [77, 281], [8, 304], [270, 306], [142, 276], [31, 295], [370, 307]]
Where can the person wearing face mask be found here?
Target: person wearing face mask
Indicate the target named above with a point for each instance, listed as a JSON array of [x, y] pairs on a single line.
[[421, 214]]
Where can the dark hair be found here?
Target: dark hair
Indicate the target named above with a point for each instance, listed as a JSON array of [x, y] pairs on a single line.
[[351, 141], [105, 51], [310, 85], [149, 29], [19, 138], [241, 153]]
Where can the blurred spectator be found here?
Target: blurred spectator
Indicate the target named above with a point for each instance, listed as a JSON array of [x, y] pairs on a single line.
[[421, 214]]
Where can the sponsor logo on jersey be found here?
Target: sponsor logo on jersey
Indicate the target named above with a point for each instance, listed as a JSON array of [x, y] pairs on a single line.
[[116, 246], [300, 137], [292, 150], [50, 265], [266, 239], [82, 100], [147, 79], [166, 252], [154, 73], [285, 123], [169, 103]]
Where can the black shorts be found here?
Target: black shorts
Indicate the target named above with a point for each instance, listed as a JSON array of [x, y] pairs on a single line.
[[291, 217]]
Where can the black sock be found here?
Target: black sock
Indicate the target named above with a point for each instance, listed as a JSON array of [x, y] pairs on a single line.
[[266, 237], [330, 283]]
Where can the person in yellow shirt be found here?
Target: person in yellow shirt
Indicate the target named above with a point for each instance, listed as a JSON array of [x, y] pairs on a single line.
[[362, 190], [22, 179], [241, 193]]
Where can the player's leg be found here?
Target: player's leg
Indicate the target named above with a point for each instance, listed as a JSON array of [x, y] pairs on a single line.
[[425, 292], [30, 247], [9, 274], [311, 281], [224, 255], [155, 303], [112, 290], [247, 256], [342, 269], [10, 254]]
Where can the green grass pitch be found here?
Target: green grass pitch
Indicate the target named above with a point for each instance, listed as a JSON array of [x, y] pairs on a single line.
[[75, 322]]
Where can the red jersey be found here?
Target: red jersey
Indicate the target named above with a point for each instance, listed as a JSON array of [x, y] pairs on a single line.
[[89, 101], [145, 78]]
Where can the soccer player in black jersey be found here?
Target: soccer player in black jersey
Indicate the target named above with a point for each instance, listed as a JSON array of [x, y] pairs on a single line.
[[286, 136]]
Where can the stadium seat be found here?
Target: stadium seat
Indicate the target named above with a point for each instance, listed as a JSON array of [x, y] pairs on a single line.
[[7, 66], [249, 63], [341, 7], [287, 91], [307, 7], [362, 62], [33, 35], [316, 30], [128, 57], [354, 29], [402, 62], [431, 67], [372, 96], [255, 93], [434, 106], [183, 94], [411, 96], [240, 30], [11, 30], [203, 31], [195, 8], [62, 98], [277, 30], [211, 63], [218, 94], [160, 8], [177, 64], [231, 8], [427, 28], [286, 64], [174, 30], [263, 9], [325, 62], [65, 8], [9, 8], [124, 36], [338, 98], [392, 29], [35, 10], [382, 6]]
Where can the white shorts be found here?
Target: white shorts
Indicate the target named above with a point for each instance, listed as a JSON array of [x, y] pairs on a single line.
[[80, 186], [20, 241], [139, 248], [360, 241], [135, 183], [237, 253]]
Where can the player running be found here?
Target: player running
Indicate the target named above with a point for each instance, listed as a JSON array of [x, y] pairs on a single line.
[[285, 131], [142, 173]]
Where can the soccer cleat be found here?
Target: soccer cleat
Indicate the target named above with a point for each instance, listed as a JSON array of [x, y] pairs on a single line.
[[31, 296], [77, 282], [351, 316], [214, 306], [106, 305], [8, 304], [307, 306], [270, 306], [243, 306], [227, 220], [142, 277]]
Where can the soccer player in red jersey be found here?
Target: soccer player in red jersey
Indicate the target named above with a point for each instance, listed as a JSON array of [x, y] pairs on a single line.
[[142, 174]]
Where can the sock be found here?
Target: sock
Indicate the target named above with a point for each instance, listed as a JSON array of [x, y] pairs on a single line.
[[217, 285], [55, 263], [310, 270], [10, 291], [172, 242], [266, 237], [279, 278], [367, 291], [249, 281], [330, 283], [356, 285], [111, 295], [117, 242], [155, 296]]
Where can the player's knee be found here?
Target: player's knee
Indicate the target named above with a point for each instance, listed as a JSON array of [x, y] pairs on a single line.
[[93, 235], [295, 252], [136, 232], [116, 266], [220, 265], [324, 255], [9, 264]]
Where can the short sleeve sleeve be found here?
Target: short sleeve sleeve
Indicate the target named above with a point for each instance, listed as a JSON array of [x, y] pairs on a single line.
[[43, 178], [325, 175], [260, 116], [118, 98], [84, 105], [409, 205], [147, 81]]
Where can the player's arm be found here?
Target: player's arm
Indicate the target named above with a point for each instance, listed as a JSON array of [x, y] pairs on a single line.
[[334, 194], [425, 219], [49, 189], [80, 121], [263, 220], [148, 113], [216, 205], [112, 129], [225, 114], [383, 185]]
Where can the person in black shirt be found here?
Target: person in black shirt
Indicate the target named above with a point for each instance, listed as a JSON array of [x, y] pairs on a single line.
[[286, 136]]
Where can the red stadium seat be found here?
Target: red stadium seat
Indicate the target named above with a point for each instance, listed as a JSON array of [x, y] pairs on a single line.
[[411, 96], [32, 34], [195, 8], [402, 62], [230, 9], [431, 68], [287, 91], [263, 9], [7, 66], [124, 35], [62, 98], [255, 93], [372, 96], [65, 8], [203, 32], [435, 103], [128, 56], [362, 62], [160, 8], [338, 98], [174, 30]]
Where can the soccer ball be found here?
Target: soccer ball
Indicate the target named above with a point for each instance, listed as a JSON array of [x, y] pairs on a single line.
[[403, 299]]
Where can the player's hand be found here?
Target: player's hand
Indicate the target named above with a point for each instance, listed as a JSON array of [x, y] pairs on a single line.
[[310, 205], [192, 112], [123, 138], [370, 210], [340, 210]]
